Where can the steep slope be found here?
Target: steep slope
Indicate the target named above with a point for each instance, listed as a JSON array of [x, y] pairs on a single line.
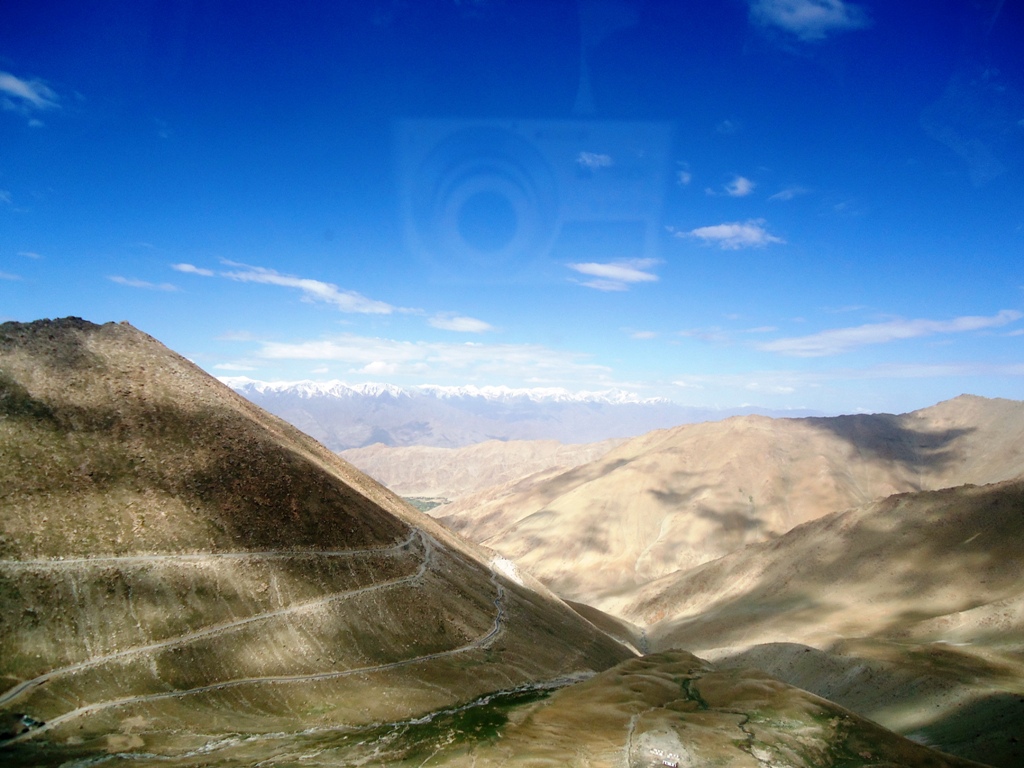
[[673, 499], [909, 611], [450, 473], [178, 567]]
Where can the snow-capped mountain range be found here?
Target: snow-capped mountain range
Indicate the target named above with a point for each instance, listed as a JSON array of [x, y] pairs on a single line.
[[343, 416], [336, 388]]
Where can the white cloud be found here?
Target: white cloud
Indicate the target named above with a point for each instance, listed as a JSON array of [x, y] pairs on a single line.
[[712, 335], [683, 177], [30, 254], [593, 160], [734, 235], [616, 275], [440, 360], [132, 282], [774, 389], [809, 19], [788, 193], [728, 127], [380, 368], [452, 322], [313, 290], [27, 94], [740, 186], [643, 335], [9, 276], [192, 270], [235, 367], [839, 340]]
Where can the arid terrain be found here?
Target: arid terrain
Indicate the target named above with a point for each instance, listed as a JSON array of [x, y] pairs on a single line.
[[451, 473], [186, 580], [873, 560], [673, 499], [178, 567]]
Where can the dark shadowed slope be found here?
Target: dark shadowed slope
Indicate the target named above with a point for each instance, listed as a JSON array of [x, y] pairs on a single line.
[[909, 611], [177, 566]]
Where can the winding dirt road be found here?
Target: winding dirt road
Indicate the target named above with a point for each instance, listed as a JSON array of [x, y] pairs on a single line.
[[428, 545]]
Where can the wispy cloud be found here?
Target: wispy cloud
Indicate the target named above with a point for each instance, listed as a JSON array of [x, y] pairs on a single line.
[[30, 254], [22, 95], [683, 175], [809, 19], [312, 290], [713, 334], [5, 197], [9, 276], [839, 340], [789, 193], [447, 321], [347, 301], [594, 160], [733, 235], [616, 275], [740, 186], [438, 360], [728, 127], [643, 335], [132, 282], [191, 269]]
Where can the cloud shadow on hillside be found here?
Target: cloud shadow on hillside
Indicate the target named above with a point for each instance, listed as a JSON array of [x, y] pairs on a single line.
[[887, 438]]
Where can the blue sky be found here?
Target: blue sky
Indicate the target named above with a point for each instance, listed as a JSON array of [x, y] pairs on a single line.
[[787, 203]]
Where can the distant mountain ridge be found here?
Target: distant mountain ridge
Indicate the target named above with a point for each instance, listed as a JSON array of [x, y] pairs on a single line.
[[338, 388], [673, 499], [450, 473], [344, 416]]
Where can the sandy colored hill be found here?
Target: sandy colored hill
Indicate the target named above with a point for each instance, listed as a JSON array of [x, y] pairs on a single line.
[[180, 570], [673, 499], [451, 473], [909, 611]]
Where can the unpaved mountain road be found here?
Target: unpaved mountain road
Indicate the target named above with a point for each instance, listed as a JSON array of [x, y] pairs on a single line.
[[23, 687], [428, 545]]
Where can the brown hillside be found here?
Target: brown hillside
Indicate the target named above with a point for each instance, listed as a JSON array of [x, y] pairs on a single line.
[[673, 499], [177, 566], [909, 611], [451, 473]]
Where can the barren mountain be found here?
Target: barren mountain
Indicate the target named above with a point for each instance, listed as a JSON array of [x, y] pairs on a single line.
[[180, 570], [673, 499], [451, 473], [186, 580], [909, 611]]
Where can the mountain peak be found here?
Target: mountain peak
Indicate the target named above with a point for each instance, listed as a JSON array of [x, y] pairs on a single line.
[[169, 551]]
